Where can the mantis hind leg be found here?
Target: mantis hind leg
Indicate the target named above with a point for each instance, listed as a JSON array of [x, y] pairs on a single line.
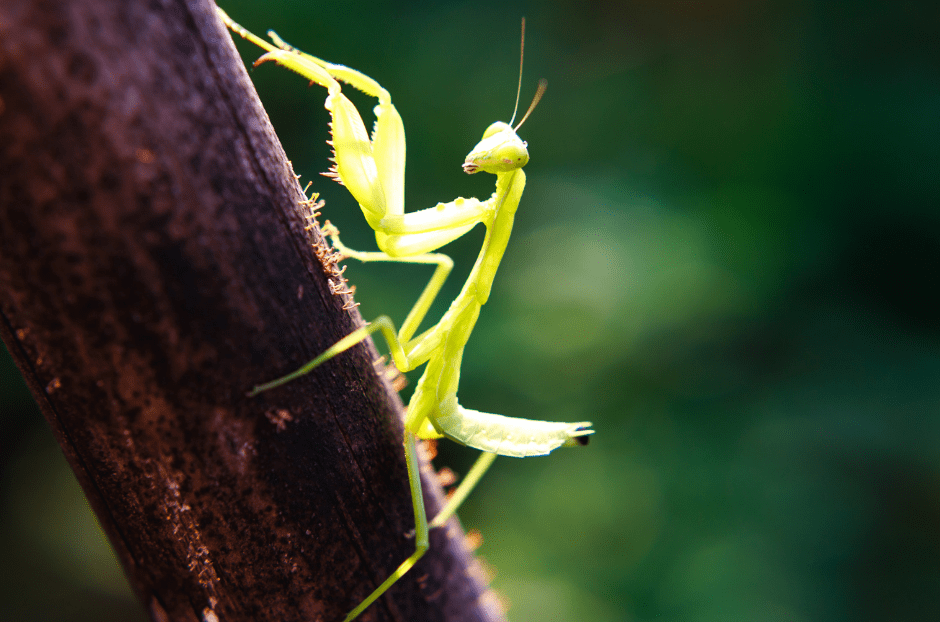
[[421, 528], [464, 489]]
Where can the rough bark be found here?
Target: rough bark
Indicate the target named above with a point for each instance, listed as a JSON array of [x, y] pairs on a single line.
[[153, 266]]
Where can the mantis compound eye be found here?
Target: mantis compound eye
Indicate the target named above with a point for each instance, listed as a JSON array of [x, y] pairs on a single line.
[[496, 128]]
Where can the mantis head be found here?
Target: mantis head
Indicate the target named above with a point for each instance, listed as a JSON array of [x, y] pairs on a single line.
[[500, 151]]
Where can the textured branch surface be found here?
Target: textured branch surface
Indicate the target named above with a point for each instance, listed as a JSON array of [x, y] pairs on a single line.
[[153, 267]]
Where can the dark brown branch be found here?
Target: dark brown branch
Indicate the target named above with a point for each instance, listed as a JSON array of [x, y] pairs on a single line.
[[153, 267]]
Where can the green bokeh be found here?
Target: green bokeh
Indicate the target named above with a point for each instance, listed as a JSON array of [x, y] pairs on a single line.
[[725, 258]]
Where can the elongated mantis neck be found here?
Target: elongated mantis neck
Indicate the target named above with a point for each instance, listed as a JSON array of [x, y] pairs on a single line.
[[509, 187], [504, 187]]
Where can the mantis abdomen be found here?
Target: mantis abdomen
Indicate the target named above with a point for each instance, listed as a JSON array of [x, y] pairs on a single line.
[[508, 436]]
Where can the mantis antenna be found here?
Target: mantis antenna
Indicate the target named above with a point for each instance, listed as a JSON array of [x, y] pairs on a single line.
[[515, 108], [539, 91], [543, 84]]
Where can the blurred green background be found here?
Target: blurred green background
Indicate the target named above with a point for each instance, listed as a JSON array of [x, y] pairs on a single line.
[[726, 258]]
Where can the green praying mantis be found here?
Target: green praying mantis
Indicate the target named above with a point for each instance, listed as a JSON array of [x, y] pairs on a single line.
[[373, 170]]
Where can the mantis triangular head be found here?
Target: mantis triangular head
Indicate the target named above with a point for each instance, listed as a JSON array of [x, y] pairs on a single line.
[[501, 150]]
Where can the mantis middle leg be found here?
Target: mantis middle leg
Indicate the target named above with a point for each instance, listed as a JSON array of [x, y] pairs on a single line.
[[400, 343]]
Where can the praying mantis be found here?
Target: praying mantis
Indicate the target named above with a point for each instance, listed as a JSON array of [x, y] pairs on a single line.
[[373, 170]]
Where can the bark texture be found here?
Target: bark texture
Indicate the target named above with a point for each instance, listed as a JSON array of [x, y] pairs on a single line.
[[154, 265]]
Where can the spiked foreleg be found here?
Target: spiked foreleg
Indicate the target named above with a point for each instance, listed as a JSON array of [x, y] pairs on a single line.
[[388, 135]]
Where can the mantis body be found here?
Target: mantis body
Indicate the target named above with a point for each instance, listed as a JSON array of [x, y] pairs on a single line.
[[373, 171]]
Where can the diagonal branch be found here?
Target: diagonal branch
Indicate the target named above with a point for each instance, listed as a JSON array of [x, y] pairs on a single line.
[[153, 266]]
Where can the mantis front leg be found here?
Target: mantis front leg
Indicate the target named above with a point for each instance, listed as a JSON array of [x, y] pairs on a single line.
[[373, 170]]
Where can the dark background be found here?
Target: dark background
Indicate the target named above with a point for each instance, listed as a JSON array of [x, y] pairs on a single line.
[[726, 258]]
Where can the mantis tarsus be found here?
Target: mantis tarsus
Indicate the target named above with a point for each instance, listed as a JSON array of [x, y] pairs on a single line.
[[374, 173]]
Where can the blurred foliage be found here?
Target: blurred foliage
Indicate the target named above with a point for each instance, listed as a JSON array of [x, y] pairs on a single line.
[[722, 259]]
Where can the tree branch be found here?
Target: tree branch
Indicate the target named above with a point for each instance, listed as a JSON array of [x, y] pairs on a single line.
[[154, 266]]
